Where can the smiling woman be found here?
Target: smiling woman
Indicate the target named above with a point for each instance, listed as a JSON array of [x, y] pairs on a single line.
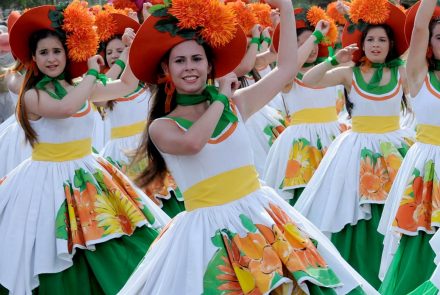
[[77, 216], [352, 183]]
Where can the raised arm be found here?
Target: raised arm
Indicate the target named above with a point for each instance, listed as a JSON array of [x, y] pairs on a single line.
[[248, 62], [306, 48], [325, 74], [126, 84], [115, 70], [170, 139], [417, 67], [252, 98]]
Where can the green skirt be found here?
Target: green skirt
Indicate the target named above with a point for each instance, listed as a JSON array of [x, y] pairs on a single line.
[[296, 194], [426, 288], [103, 271], [361, 246], [412, 265]]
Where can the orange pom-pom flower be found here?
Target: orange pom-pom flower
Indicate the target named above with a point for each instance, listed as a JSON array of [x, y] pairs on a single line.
[[314, 15], [105, 25], [262, 13], [190, 13], [220, 25], [333, 12], [245, 18], [369, 11]]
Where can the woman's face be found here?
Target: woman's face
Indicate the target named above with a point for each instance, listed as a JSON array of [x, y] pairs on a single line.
[[188, 67], [435, 41], [303, 38], [50, 56], [113, 50], [376, 45]]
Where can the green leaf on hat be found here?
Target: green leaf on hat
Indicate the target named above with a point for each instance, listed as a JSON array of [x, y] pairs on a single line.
[[351, 28], [187, 34], [158, 10]]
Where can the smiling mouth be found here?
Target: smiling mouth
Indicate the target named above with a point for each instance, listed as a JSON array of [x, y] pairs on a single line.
[[51, 67], [190, 78]]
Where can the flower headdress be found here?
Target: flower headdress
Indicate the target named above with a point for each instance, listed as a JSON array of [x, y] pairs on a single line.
[[244, 15], [308, 18], [75, 25], [262, 13], [374, 12], [335, 14], [203, 20]]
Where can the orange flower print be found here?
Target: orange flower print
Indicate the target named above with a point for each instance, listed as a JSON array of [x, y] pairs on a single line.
[[418, 207], [373, 177]]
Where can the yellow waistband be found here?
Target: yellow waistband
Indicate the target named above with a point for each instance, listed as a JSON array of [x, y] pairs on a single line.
[[319, 115], [375, 124], [128, 130], [429, 134], [60, 152], [223, 188]]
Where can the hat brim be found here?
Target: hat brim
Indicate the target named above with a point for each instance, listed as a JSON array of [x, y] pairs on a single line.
[[396, 22], [12, 18], [122, 22], [411, 17], [33, 20], [149, 47]]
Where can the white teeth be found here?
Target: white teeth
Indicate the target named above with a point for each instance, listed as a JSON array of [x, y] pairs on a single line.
[[192, 78]]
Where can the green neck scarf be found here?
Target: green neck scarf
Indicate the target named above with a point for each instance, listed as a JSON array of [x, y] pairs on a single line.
[[60, 92], [377, 76], [211, 94]]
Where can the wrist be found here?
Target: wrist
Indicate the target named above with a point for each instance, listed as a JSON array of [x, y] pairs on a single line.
[[332, 60], [92, 72], [120, 63], [318, 36]]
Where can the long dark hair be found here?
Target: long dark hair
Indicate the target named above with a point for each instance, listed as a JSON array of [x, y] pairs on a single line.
[[392, 54], [430, 58], [157, 168], [32, 77]]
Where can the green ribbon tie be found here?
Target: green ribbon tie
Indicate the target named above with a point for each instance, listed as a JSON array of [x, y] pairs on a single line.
[[377, 76], [60, 92]]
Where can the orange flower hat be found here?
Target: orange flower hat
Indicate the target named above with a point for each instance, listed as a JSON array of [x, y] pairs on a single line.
[[244, 15], [309, 19], [365, 12], [411, 17], [73, 22], [334, 13], [205, 21]]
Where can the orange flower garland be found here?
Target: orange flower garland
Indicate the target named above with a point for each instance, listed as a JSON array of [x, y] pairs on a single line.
[[82, 40], [314, 15], [245, 18], [369, 11], [262, 13]]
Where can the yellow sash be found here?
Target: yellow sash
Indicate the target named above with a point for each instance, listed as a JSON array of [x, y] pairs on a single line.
[[222, 188], [128, 130], [429, 134], [60, 152], [375, 124], [319, 115]]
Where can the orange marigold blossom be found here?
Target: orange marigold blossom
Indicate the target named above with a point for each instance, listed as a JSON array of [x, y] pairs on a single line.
[[262, 13], [105, 25], [122, 4], [77, 19], [334, 13], [214, 34], [370, 11], [190, 13], [315, 14], [245, 17], [82, 46]]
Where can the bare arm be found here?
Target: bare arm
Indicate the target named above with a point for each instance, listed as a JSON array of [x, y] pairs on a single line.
[[115, 70], [14, 81], [252, 98], [417, 67], [306, 48], [248, 61], [172, 140], [264, 59], [326, 75]]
